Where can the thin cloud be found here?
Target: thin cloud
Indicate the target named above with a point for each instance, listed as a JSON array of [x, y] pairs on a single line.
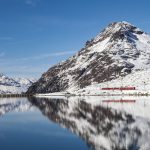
[[6, 38], [24, 68], [44, 56], [144, 22], [32, 3], [2, 54], [28, 71]]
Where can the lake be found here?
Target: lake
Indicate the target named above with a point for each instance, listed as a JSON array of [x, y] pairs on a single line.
[[75, 123]]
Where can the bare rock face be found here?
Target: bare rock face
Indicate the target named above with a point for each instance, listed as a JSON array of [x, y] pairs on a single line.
[[118, 50]]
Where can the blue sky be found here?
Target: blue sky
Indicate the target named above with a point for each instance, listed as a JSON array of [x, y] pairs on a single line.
[[36, 34]]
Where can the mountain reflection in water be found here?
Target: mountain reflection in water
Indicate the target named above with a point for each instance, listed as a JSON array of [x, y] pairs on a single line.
[[101, 125], [104, 123]]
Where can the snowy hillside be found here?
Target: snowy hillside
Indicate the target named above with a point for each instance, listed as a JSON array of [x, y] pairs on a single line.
[[138, 79], [14, 85], [120, 49]]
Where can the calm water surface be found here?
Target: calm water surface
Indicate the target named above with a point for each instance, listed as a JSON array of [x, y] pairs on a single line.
[[75, 123]]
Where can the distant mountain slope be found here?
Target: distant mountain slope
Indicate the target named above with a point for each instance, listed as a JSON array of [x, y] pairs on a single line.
[[121, 48], [14, 85]]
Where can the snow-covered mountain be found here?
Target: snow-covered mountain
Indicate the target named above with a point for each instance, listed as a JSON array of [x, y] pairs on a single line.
[[14, 85], [103, 126], [120, 49]]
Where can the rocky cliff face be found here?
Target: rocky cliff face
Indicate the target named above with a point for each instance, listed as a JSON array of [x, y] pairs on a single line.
[[118, 50]]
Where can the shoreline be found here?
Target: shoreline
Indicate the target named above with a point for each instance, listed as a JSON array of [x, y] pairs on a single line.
[[78, 95], [63, 94], [14, 95]]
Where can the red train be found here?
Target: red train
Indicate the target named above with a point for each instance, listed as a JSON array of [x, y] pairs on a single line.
[[119, 101], [120, 88]]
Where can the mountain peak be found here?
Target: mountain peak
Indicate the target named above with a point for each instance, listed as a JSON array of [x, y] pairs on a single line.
[[120, 49], [122, 23], [118, 31], [125, 22]]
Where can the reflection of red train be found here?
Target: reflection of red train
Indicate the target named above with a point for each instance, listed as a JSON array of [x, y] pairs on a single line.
[[120, 88], [119, 101]]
